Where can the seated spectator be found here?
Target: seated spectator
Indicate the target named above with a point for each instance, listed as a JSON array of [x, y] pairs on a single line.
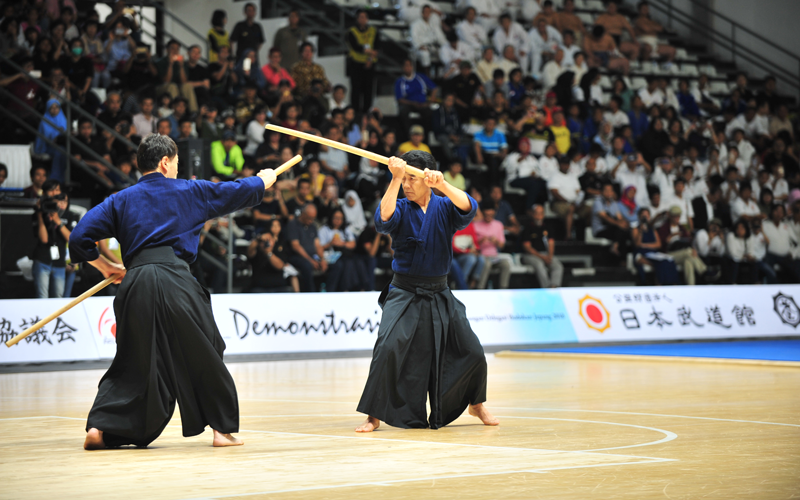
[[427, 37], [513, 34], [688, 104], [79, 70], [488, 12], [38, 175], [471, 33], [601, 51], [758, 250], [780, 123], [608, 221], [591, 182], [353, 212], [552, 70], [779, 155], [637, 118], [487, 65], [781, 243], [523, 175], [539, 251], [744, 207], [248, 74], [647, 251], [179, 113], [268, 253], [413, 91], [466, 254], [710, 244], [614, 24], [197, 75], [307, 254], [296, 205], [172, 72], [226, 156], [544, 42], [247, 104], [186, 129], [615, 116], [566, 20], [628, 206], [738, 244], [328, 201], [337, 99], [491, 239], [255, 131], [119, 46], [306, 71], [565, 192], [647, 31], [221, 78], [765, 201], [375, 249], [113, 113], [496, 84], [416, 133], [491, 148], [561, 133], [346, 273], [680, 199], [164, 127], [315, 105], [210, 130], [271, 208], [316, 177], [447, 128], [676, 240], [464, 86], [633, 171], [52, 224], [454, 176], [548, 14], [704, 207], [144, 121], [503, 211]]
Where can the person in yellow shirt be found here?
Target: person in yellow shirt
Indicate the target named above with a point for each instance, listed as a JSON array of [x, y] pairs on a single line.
[[560, 131], [417, 133], [454, 177], [317, 179]]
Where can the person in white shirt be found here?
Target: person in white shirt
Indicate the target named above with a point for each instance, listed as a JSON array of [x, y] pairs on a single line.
[[615, 116], [670, 98], [745, 148], [694, 187], [739, 246], [781, 243], [523, 175], [702, 95], [566, 194], [488, 11], [750, 123], [780, 188], [426, 37], [472, 33], [337, 99], [659, 211], [710, 244], [651, 95], [544, 40], [453, 52], [758, 248], [679, 199], [745, 207], [569, 48], [664, 177], [255, 131], [552, 70], [411, 10], [633, 172], [145, 122], [511, 33]]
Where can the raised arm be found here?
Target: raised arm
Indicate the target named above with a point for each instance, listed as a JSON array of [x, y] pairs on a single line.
[[435, 180], [397, 167], [227, 197]]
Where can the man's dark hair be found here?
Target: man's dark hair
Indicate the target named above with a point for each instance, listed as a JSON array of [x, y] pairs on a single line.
[[192, 47], [505, 15], [249, 4], [745, 184], [498, 73], [420, 159], [339, 86], [337, 111], [173, 41], [652, 190], [304, 45], [81, 121], [217, 17], [598, 31], [35, 168], [547, 3], [159, 122], [568, 32], [303, 180], [775, 206], [153, 148], [487, 205], [714, 189], [272, 50], [50, 184], [677, 180], [185, 119], [3, 168]]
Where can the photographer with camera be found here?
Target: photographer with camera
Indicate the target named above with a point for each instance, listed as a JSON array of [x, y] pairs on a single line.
[[268, 255], [51, 224], [140, 73]]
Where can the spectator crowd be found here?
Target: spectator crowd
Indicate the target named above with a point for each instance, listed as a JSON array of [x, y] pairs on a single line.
[[696, 187]]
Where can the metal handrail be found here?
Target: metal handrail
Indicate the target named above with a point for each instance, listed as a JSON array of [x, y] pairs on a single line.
[[739, 26], [51, 143], [749, 55], [71, 140], [170, 35], [55, 94]]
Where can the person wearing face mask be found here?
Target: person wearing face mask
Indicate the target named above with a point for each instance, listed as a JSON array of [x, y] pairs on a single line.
[[79, 71], [120, 46], [52, 224]]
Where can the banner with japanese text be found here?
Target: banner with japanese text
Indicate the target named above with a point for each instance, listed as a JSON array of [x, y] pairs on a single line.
[[293, 323], [68, 338], [618, 314]]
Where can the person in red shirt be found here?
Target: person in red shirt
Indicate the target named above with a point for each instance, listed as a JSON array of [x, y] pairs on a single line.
[[466, 252], [274, 72]]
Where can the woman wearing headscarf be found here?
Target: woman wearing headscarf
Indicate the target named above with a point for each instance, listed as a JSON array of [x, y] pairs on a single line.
[[354, 212], [217, 35], [52, 125], [628, 206]]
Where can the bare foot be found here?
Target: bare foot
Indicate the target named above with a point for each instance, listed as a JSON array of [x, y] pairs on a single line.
[[221, 439], [94, 440], [369, 425], [482, 413]]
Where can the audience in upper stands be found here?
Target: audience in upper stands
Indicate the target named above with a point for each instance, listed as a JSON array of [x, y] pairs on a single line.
[[541, 115]]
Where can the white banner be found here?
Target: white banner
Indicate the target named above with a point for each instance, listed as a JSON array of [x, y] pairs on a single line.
[[616, 314], [290, 323], [68, 338]]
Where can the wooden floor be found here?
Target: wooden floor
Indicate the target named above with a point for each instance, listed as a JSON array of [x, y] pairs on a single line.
[[570, 428]]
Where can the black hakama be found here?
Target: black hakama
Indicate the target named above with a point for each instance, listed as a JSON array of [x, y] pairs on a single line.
[[425, 347], [168, 349]]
